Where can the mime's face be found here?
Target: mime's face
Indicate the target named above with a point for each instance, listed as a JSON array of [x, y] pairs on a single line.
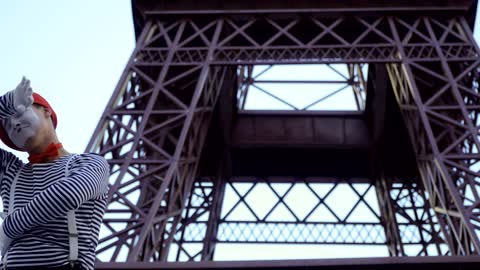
[[22, 127]]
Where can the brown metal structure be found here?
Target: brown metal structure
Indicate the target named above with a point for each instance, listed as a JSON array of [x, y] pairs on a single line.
[[193, 168]]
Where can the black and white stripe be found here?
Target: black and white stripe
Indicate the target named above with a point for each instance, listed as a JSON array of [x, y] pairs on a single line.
[[6, 105], [43, 196]]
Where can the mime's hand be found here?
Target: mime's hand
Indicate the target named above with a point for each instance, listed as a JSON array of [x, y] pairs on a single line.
[[22, 96]]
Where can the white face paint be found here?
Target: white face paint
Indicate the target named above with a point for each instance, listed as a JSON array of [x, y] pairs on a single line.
[[22, 127]]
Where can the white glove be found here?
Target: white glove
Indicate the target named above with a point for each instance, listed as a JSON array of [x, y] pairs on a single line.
[[5, 241], [22, 96]]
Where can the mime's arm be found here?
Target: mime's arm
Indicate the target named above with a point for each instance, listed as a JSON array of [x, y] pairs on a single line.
[[88, 179], [7, 159]]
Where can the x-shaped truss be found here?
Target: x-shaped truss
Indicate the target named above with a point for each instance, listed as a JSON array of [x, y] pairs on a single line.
[[319, 221], [348, 78]]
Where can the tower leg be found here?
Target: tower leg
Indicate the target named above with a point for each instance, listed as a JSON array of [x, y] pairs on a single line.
[[440, 107], [152, 134]]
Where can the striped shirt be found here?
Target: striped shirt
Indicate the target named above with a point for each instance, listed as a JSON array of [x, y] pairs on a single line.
[[43, 196]]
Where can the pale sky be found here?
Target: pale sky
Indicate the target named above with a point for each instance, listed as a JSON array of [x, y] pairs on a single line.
[[72, 51]]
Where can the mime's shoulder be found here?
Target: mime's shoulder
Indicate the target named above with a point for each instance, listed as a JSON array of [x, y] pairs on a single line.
[[91, 159]]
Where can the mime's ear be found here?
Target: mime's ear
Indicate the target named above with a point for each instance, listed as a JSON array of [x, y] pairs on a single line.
[[47, 112]]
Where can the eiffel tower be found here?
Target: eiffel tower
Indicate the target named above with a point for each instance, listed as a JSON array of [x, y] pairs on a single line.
[[238, 127]]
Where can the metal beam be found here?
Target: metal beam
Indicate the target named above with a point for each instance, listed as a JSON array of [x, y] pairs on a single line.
[[413, 263]]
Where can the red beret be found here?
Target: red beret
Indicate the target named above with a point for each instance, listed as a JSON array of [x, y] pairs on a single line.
[[39, 100]]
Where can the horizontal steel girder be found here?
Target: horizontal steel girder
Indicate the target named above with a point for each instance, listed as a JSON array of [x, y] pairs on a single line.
[[247, 7], [308, 130], [283, 144], [411, 263]]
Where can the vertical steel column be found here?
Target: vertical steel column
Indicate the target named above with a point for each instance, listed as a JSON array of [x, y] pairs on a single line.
[[437, 163], [383, 186], [213, 220]]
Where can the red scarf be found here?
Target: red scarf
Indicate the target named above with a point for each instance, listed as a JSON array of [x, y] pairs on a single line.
[[50, 153]]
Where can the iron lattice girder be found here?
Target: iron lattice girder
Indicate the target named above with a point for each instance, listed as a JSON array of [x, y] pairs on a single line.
[[319, 221], [272, 40], [154, 126]]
